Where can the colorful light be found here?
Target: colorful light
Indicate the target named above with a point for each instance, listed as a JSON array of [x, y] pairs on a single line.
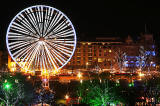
[[66, 96], [50, 41], [79, 75], [7, 86], [141, 74]]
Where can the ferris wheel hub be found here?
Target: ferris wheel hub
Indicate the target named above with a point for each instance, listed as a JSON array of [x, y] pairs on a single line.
[[41, 39]]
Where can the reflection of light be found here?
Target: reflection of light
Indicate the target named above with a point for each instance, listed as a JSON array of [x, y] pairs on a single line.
[[66, 96]]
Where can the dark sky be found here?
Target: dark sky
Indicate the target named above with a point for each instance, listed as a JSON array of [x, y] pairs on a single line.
[[93, 18]]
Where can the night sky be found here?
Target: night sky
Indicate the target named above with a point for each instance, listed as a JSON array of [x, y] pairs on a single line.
[[94, 18]]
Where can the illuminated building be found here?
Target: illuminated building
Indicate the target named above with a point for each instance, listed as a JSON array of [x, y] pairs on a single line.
[[102, 53]]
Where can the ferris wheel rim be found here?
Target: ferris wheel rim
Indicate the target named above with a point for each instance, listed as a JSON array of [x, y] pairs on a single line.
[[11, 22]]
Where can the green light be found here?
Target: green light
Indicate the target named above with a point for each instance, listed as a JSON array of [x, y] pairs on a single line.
[[130, 85], [7, 86]]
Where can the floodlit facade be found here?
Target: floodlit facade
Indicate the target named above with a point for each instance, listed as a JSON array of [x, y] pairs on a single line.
[[112, 54]]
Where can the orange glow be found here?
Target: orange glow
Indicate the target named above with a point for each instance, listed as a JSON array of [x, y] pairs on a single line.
[[13, 64], [54, 72], [29, 77], [141, 74], [66, 96], [79, 75], [13, 69], [45, 73]]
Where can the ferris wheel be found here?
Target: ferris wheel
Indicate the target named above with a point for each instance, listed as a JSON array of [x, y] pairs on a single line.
[[42, 38]]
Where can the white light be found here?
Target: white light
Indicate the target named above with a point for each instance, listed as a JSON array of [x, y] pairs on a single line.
[[45, 38], [40, 42]]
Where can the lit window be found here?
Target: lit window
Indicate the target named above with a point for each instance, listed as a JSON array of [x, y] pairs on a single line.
[[100, 59]]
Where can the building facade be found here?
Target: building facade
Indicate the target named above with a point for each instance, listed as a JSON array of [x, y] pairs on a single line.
[[111, 54], [115, 54]]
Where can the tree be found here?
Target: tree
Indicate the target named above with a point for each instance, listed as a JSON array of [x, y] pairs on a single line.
[[152, 89], [15, 89], [120, 59], [44, 96], [98, 93], [11, 90], [144, 59]]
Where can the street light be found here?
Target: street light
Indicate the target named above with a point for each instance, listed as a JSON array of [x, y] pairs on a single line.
[[79, 75], [66, 96]]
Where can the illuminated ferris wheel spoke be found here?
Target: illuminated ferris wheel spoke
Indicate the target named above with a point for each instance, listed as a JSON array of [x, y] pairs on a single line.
[[48, 20], [38, 22], [24, 37], [54, 54], [55, 30], [32, 22], [49, 63], [58, 48], [62, 26], [28, 22], [42, 37], [25, 24], [61, 44], [60, 58], [65, 55], [24, 51], [43, 58], [65, 32], [51, 58], [32, 56], [53, 24], [33, 19], [21, 28], [55, 50]]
